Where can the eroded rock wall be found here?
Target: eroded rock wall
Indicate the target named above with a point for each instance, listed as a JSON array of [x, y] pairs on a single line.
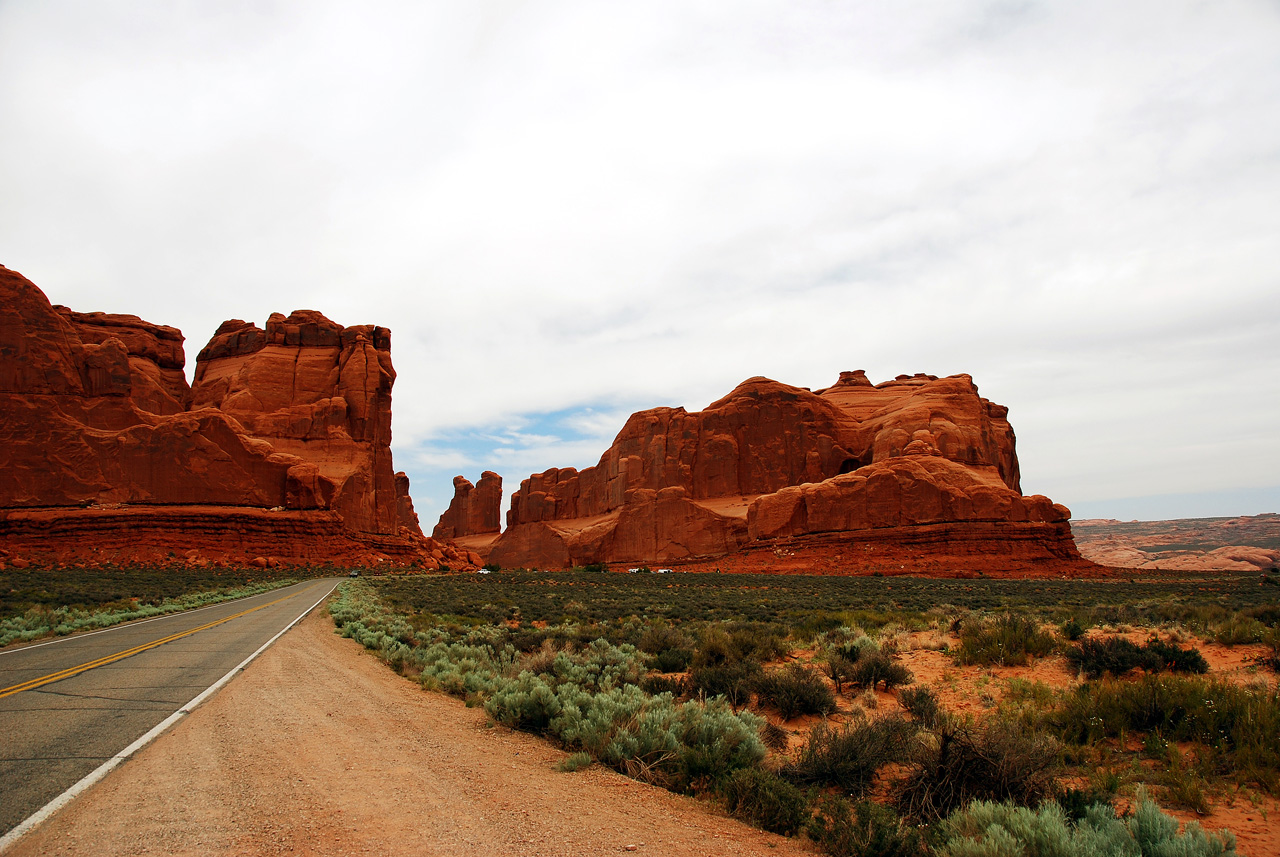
[[95, 412], [772, 462], [474, 510]]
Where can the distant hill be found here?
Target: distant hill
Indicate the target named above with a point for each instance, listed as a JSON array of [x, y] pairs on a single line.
[[1188, 544]]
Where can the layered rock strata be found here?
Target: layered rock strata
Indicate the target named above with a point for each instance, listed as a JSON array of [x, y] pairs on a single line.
[[921, 457], [96, 416]]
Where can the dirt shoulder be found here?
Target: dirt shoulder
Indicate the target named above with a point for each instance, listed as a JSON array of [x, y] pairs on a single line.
[[319, 749]]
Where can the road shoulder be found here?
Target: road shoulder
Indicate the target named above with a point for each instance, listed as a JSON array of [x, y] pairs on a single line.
[[319, 749]]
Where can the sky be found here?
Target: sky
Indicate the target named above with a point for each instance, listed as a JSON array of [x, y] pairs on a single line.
[[570, 211]]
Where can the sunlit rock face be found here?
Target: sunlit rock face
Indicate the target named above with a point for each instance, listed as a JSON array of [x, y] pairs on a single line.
[[922, 456], [96, 417]]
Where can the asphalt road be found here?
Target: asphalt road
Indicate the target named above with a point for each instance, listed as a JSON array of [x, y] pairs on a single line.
[[69, 705]]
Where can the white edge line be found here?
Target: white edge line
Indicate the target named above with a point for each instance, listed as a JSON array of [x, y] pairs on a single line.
[[40, 816]]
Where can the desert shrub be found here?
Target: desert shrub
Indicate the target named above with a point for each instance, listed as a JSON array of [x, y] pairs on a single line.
[[1097, 656], [1159, 655], [599, 666], [1239, 630], [795, 690], [656, 638], [774, 736], [1072, 629], [648, 737], [922, 704], [849, 757], [1001, 760], [878, 668], [865, 829], [1267, 614], [1241, 725], [673, 660], [839, 669], [1010, 640], [574, 762], [733, 681], [987, 829], [758, 641], [1077, 802], [765, 800], [656, 684], [1270, 657]]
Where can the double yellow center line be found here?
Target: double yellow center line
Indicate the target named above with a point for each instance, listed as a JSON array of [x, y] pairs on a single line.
[[34, 683]]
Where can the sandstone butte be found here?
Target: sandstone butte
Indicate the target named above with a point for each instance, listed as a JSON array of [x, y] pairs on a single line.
[[279, 451], [917, 475]]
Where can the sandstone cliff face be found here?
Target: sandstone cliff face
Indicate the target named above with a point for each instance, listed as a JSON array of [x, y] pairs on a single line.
[[320, 393], [95, 412], [773, 462], [475, 509]]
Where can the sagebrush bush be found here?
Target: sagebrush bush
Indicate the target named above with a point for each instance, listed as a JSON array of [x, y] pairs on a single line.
[[1001, 760], [865, 829], [794, 690], [988, 829], [765, 800], [1010, 640], [849, 757]]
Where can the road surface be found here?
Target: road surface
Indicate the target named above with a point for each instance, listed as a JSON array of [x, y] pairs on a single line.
[[69, 705]]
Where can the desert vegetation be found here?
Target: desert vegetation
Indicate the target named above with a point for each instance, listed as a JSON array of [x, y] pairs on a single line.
[[40, 602], [813, 722]]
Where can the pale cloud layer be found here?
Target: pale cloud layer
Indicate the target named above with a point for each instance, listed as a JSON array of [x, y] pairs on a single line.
[[570, 211]]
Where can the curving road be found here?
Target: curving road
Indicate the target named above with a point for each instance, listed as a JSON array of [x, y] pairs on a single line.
[[70, 705]]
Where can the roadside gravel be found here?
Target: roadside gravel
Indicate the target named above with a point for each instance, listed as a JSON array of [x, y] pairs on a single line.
[[319, 749]]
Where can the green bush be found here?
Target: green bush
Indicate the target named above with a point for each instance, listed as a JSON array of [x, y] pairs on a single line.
[[849, 757], [673, 660], [734, 681], [866, 829], [922, 704], [1099, 656], [1009, 640], [795, 690], [876, 668], [1241, 725], [985, 829], [765, 800], [1001, 760], [1239, 630], [656, 684], [1072, 629]]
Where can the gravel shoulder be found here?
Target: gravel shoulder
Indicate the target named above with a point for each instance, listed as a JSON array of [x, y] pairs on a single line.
[[319, 749]]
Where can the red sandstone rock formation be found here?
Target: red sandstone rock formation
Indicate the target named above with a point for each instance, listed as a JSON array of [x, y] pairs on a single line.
[[772, 462], [95, 413], [475, 509]]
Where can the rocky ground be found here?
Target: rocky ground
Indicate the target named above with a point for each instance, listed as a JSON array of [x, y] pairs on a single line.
[[319, 749]]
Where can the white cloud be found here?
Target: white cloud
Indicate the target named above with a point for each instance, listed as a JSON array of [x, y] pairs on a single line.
[[569, 206]]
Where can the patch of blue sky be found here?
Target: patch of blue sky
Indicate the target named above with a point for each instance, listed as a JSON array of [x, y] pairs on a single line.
[[514, 448], [1167, 507]]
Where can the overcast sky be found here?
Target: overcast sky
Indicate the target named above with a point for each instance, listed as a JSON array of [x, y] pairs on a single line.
[[569, 211]]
